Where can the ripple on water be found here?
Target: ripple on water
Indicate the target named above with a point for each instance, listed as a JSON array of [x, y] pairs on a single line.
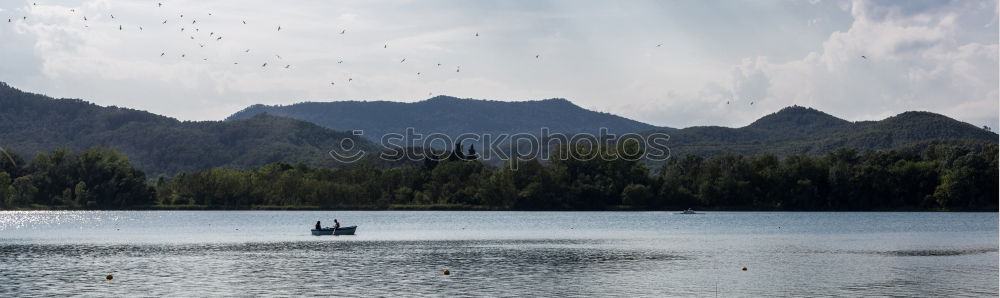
[[533, 254], [328, 268]]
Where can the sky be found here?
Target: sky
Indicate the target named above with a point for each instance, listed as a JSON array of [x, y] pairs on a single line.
[[668, 63]]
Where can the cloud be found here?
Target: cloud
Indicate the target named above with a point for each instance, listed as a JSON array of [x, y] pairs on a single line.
[[913, 59], [749, 82], [921, 55]]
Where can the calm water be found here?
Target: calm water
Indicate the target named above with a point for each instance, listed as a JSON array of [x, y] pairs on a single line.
[[199, 253]]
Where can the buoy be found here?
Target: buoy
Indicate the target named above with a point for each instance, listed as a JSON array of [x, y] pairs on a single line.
[[744, 268], [110, 277], [446, 272]]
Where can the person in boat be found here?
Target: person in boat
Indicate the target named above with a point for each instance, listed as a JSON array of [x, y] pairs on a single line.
[[336, 224], [318, 227]]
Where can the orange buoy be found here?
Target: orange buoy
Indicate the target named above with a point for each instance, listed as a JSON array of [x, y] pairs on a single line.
[[744, 268], [109, 277], [446, 272]]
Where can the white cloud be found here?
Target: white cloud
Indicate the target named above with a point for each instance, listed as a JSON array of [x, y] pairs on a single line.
[[912, 62], [936, 56]]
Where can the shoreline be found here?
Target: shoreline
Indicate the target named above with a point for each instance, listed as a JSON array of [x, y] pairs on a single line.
[[466, 208]]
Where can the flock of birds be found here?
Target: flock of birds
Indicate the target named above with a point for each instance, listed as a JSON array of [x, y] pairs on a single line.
[[195, 34], [194, 30]]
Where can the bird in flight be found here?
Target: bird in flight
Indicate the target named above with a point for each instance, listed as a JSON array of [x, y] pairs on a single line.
[[201, 45], [159, 4], [247, 51], [477, 34], [659, 45], [287, 66], [84, 18], [343, 31], [418, 73], [265, 64], [219, 38], [112, 16], [350, 79], [119, 27], [340, 61], [164, 21], [333, 84], [401, 61], [279, 28], [386, 46], [183, 55], [536, 56], [193, 21], [279, 56], [161, 54], [439, 64], [863, 57]]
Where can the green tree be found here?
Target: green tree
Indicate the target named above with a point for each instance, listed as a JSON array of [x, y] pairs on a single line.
[[21, 192], [4, 189], [637, 195]]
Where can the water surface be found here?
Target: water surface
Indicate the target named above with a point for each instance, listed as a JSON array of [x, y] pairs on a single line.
[[197, 253]]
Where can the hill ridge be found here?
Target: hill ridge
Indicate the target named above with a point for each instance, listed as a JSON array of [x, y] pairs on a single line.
[[452, 116], [32, 123]]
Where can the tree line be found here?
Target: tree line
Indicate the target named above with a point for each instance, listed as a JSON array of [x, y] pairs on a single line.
[[932, 177]]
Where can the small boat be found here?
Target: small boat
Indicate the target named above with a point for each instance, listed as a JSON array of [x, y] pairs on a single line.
[[338, 231], [689, 211]]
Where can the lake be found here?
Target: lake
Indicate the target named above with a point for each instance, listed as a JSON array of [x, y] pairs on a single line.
[[403, 253]]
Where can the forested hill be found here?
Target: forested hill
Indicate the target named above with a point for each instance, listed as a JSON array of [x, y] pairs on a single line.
[[452, 116], [32, 123], [801, 130]]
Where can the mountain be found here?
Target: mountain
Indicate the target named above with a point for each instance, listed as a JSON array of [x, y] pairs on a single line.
[[451, 116], [798, 120], [801, 130], [32, 123]]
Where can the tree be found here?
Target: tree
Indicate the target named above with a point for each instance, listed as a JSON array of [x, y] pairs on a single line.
[[21, 192], [4, 189], [11, 162], [472, 155], [637, 195]]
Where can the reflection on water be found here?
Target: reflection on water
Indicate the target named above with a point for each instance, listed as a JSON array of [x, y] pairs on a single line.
[[499, 254]]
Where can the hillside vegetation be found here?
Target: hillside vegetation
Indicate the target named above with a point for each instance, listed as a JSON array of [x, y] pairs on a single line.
[[33, 123]]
